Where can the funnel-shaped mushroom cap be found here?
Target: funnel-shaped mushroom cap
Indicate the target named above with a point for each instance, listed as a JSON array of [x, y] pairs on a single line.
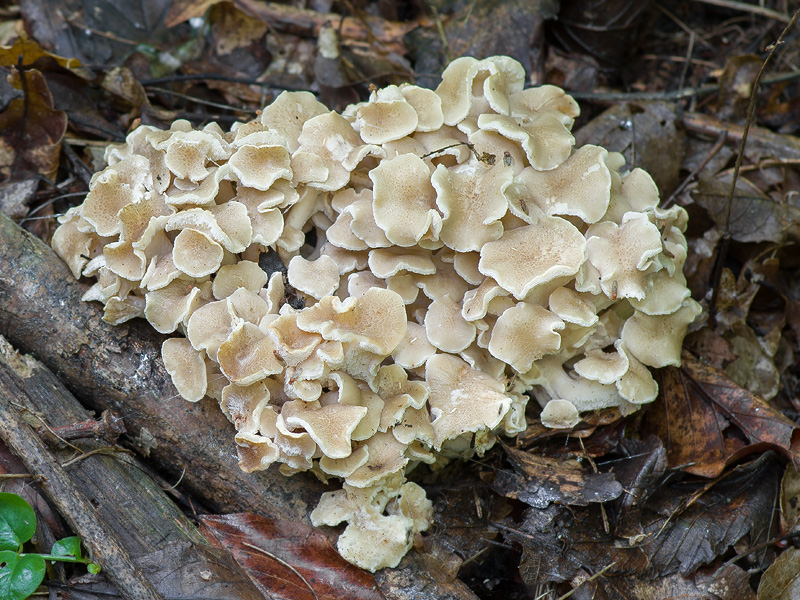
[[187, 368], [580, 186], [376, 321], [534, 255], [656, 339], [525, 333], [404, 200], [462, 399], [472, 200]]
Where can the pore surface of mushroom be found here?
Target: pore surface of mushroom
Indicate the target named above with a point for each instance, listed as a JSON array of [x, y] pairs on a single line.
[[367, 291]]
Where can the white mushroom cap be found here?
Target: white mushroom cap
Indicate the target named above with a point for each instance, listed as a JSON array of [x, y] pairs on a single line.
[[580, 186], [387, 116], [187, 368], [376, 321], [524, 334], [446, 328], [656, 339], [404, 200], [471, 198], [317, 278], [605, 367], [244, 274], [329, 426], [414, 349], [560, 414], [243, 405], [622, 254], [462, 399], [547, 251], [573, 307], [248, 355], [168, 307], [288, 113]]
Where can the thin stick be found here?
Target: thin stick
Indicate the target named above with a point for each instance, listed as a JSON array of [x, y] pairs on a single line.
[[751, 111], [669, 95], [592, 578], [285, 564], [723, 136], [751, 8]]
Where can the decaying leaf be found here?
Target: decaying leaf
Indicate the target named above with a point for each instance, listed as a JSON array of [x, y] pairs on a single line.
[[539, 481], [685, 526], [30, 129], [289, 560], [707, 421], [781, 581], [754, 217], [28, 51]]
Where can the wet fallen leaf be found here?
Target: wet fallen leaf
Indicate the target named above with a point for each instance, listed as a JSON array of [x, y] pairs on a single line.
[[640, 473], [289, 560], [790, 499], [231, 28], [708, 421], [29, 51], [539, 480], [732, 584], [30, 129], [781, 581]]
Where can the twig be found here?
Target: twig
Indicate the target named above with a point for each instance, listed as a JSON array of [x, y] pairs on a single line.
[[285, 564], [208, 77], [201, 100], [592, 578], [751, 8], [669, 95], [751, 111], [723, 136]]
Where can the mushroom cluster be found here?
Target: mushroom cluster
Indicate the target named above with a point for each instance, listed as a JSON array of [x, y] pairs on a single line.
[[447, 254]]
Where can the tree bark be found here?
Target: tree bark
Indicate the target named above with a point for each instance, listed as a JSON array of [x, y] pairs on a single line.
[[90, 489], [120, 368]]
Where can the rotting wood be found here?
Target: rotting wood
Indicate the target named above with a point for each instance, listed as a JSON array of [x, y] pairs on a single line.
[[74, 506], [150, 523], [120, 368]]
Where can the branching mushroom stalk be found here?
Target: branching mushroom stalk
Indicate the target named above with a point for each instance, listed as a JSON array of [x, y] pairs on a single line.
[[439, 289]]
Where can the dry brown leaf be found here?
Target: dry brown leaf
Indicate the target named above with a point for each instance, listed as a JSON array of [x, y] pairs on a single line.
[[707, 421], [289, 560], [31, 129]]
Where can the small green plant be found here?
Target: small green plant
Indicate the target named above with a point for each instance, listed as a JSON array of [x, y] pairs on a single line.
[[21, 572]]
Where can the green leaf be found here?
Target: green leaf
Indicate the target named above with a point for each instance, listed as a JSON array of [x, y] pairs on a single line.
[[93, 568], [19, 575], [69, 546], [17, 521]]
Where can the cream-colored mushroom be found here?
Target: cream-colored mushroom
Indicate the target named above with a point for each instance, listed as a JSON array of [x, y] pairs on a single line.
[[550, 250], [317, 278], [187, 368]]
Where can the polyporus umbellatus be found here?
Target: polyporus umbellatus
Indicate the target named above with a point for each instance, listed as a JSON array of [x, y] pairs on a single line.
[[465, 255]]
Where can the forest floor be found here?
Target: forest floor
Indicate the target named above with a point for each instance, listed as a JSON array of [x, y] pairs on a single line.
[[711, 500]]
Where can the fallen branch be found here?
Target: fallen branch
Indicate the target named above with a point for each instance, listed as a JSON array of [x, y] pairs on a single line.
[[120, 368]]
